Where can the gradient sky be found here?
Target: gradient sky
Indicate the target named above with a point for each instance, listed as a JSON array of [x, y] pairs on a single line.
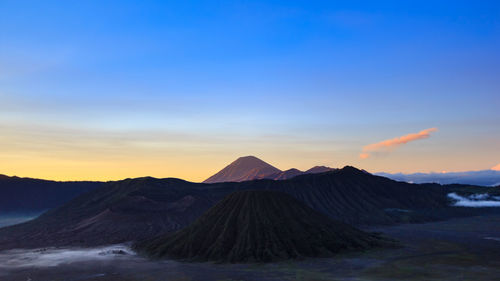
[[106, 90]]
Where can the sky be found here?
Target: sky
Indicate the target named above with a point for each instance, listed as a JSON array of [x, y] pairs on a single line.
[[106, 90]]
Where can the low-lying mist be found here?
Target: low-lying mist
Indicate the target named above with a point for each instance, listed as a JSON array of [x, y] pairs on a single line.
[[50, 257], [7, 219], [475, 200]]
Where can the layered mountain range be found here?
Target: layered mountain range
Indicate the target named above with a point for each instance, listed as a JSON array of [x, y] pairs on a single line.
[[28, 195], [251, 168], [143, 208]]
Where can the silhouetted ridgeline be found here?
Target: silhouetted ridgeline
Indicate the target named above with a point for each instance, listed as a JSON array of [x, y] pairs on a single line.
[[143, 208], [31, 195], [291, 173]]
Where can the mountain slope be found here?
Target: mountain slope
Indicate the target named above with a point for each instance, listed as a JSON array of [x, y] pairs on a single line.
[[242, 169], [142, 208], [319, 169], [285, 175], [29, 195], [291, 173], [117, 212], [252, 168], [259, 226]]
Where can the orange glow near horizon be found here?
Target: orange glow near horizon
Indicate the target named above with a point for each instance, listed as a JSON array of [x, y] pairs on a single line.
[[195, 169], [176, 89], [58, 153], [63, 170], [496, 168]]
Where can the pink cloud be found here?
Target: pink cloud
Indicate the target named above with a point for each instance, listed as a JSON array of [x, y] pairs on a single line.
[[364, 155], [496, 168], [390, 144]]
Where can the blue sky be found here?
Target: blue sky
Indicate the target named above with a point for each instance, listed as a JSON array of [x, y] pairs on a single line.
[[183, 87]]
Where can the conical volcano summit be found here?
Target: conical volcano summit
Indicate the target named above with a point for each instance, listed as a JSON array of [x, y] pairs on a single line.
[[260, 226]]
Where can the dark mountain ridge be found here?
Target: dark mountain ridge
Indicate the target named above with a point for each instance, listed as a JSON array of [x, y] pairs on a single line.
[[284, 175], [136, 209], [319, 169], [28, 194], [259, 226]]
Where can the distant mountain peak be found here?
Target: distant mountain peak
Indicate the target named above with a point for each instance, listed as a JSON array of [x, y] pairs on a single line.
[[251, 168], [288, 174], [319, 169], [248, 157], [243, 169], [351, 169]]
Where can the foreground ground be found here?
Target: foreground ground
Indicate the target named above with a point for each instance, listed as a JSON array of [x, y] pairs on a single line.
[[458, 249]]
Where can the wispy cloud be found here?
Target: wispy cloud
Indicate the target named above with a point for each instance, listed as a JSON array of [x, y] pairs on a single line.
[[391, 144], [496, 168]]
